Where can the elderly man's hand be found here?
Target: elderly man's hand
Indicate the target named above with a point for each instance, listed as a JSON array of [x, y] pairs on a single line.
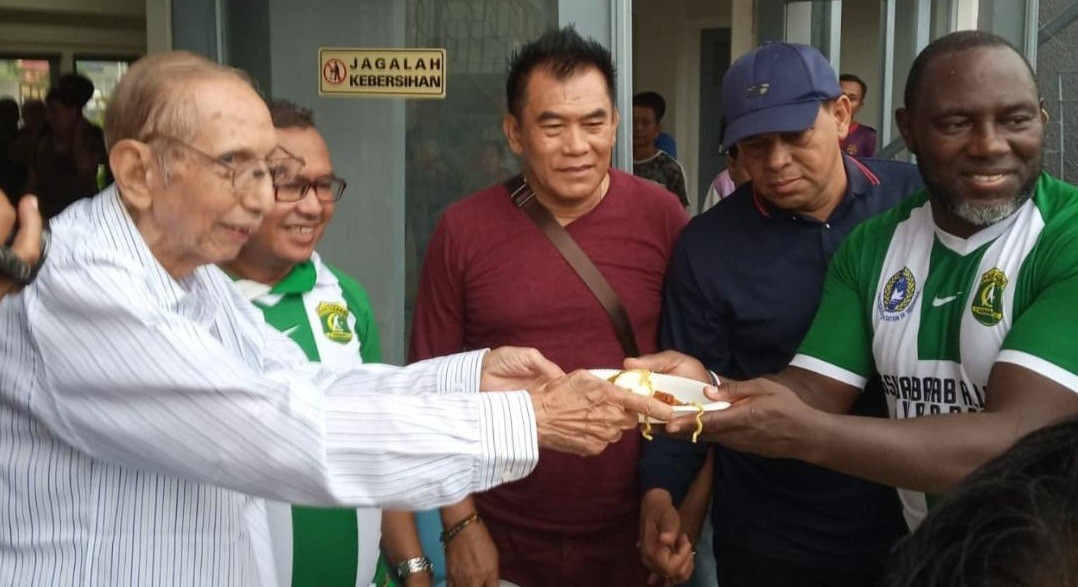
[[581, 414], [508, 368], [27, 246], [671, 363], [665, 549]]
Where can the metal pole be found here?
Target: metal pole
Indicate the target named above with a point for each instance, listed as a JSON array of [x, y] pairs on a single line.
[[621, 45], [888, 67], [1062, 129]]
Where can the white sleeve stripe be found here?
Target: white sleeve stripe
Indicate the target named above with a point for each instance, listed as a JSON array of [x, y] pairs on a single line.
[[828, 370], [1041, 366]]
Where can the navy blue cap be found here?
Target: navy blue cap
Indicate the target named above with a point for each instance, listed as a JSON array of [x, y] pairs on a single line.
[[777, 87]]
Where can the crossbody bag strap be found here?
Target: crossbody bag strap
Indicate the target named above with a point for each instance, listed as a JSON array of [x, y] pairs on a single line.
[[524, 198]]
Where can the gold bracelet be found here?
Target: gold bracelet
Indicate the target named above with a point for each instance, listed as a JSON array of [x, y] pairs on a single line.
[[455, 529]]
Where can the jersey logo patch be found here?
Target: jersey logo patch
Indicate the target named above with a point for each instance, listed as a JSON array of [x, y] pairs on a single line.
[[898, 296], [987, 305], [334, 318]]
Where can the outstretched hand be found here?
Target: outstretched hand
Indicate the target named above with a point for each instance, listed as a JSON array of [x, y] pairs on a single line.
[[765, 418], [582, 414], [510, 368], [670, 363]]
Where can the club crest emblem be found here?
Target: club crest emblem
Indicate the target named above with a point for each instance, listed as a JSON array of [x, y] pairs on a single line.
[[987, 307], [898, 295], [757, 90], [334, 319]]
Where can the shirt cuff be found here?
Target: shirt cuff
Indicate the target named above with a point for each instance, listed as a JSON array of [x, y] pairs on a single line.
[[508, 436], [461, 373]]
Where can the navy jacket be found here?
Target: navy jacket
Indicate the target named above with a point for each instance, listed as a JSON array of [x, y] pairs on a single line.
[[743, 286]]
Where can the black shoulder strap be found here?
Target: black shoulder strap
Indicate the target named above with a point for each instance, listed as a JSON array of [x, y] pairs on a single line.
[[524, 198]]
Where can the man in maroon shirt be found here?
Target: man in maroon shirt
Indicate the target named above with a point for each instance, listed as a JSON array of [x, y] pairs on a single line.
[[490, 277]]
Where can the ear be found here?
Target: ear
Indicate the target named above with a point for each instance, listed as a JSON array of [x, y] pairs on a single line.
[[905, 128], [1044, 113], [842, 110], [136, 170], [617, 119], [511, 128]]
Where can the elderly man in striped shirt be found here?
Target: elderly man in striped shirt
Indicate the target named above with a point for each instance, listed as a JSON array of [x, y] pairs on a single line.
[[146, 408]]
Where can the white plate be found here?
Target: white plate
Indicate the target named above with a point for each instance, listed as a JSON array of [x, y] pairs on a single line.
[[684, 389]]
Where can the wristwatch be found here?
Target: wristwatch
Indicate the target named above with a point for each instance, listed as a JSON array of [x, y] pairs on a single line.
[[419, 564]]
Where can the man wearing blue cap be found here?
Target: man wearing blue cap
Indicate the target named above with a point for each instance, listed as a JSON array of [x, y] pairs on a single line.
[[743, 285], [960, 298]]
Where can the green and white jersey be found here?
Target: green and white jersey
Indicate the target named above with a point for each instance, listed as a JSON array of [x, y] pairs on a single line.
[[329, 315], [935, 312]]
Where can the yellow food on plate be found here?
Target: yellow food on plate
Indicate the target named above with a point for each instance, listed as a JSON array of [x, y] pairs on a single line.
[[639, 382]]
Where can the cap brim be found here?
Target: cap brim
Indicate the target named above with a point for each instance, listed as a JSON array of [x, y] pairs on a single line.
[[784, 118]]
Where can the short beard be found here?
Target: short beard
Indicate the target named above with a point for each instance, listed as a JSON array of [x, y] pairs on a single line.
[[976, 214], [982, 216]]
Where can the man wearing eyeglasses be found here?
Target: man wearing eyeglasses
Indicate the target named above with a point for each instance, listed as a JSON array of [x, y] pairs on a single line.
[[328, 314], [147, 410]]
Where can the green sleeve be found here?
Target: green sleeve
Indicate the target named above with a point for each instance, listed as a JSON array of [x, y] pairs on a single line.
[[359, 303], [841, 333], [1044, 328]]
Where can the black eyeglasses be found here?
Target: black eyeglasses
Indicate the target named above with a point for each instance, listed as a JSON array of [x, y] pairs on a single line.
[[326, 189], [247, 175]]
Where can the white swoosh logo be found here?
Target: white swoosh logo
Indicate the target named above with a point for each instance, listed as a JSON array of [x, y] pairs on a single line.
[[937, 302], [289, 332]]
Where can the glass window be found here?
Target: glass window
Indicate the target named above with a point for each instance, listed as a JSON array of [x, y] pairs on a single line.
[[25, 79], [1057, 78], [105, 74], [455, 147]]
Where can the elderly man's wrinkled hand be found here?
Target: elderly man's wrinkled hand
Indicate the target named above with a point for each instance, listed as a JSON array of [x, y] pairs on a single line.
[[582, 414], [511, 368]]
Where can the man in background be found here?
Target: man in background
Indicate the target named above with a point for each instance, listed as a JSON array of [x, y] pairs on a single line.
[[860, 141], [491, 276], [742, 288], [66, 160], [960, 298], [649, 161], [328, 314]]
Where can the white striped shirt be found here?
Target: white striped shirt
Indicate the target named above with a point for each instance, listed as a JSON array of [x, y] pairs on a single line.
[[136, 413]]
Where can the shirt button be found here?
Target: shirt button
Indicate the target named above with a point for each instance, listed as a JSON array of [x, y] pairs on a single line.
[[827, 225]]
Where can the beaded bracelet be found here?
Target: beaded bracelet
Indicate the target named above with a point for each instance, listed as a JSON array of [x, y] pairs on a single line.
[[455, 529]]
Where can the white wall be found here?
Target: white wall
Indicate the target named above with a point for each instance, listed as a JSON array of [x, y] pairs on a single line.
[[666, 59]]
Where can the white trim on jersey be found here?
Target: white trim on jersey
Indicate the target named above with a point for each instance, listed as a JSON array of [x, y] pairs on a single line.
[[1040, 366], [828, 370]]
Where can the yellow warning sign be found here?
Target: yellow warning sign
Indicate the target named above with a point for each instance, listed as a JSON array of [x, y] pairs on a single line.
[[388, 73]]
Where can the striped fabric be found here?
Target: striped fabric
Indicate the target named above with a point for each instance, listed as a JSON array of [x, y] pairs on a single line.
[[139, 415]]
